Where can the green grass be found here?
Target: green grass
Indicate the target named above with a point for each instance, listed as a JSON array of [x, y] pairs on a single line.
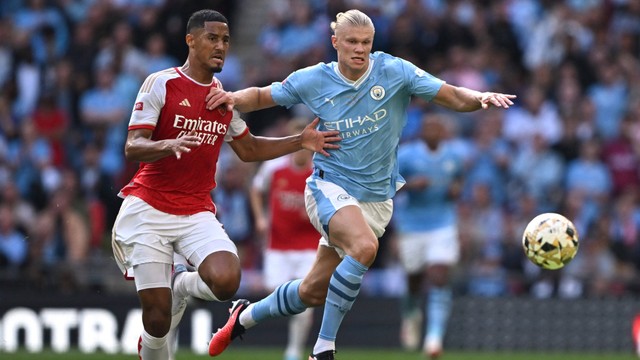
[[343, 354]]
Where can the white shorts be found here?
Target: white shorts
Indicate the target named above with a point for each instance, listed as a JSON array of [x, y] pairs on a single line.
[[281, 266], [323, 199], [142, 234], [420, 249]]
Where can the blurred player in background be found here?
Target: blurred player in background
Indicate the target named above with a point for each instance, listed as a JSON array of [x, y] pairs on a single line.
[[365, 96], [291, 239], [426, 221], [167, 205]]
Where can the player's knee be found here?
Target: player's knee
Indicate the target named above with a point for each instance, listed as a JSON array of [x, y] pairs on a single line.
[[157, 322], [365, 252], [224, 286], [222, 281]]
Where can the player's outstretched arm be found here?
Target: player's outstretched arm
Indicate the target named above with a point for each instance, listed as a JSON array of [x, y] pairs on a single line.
[[259, 148], [247, 100], [140, 147], [464, 100]]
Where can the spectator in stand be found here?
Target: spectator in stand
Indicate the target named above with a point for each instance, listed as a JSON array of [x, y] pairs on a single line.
[[27, 78], [23, 210], [96, 188], [52, 123], [102, 106], [462, 71], [294, 40], [537, 115], [610, 97], [513, 259], [568, 147], [621, 157], [61, 238], [46, 28], [625, 232], [539, 171], [102, 110], [121, 53], [595, 272], [30, 158], [13, 243], [489, 159], [552, 35], [6, 52], [156, 56], [567, 90], [82, 54], [590, 178]]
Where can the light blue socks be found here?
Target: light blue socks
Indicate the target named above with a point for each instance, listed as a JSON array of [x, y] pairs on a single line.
[[344, 287]]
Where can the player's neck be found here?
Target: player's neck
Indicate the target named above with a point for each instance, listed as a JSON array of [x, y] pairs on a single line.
[[352, 75], [197, 73]]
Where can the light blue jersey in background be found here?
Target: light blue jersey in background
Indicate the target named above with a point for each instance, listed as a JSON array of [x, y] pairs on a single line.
[[431, 208], [369, 113]]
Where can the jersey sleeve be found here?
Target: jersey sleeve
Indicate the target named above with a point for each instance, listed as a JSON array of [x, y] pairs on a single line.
[[237, 128], [149, 103], [420, 82], [286, 93]]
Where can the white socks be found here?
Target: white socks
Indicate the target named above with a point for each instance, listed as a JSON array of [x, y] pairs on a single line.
[[153, 348], [246, 319], [323, 345], [190, 283]]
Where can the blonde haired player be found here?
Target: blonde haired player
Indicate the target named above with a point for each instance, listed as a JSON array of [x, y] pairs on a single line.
[[364, 96]]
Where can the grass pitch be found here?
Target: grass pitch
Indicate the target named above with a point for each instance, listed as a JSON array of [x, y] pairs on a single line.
[[343, 354]]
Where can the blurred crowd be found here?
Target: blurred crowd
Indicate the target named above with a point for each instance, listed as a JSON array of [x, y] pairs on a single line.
[[70, 71]]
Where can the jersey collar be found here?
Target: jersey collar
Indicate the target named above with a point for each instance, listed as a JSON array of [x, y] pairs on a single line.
[[179, 70], [356, 84]]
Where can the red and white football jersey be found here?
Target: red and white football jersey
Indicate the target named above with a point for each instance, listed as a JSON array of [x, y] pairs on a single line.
[[172, 104], [290, 225]]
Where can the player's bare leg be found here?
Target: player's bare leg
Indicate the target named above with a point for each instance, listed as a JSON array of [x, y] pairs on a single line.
[[349, 232], [156, 319]]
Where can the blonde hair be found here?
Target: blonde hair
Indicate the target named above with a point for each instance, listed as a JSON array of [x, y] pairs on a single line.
[[351, 17]]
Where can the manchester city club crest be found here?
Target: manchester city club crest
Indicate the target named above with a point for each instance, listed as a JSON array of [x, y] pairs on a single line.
[[377, 92]]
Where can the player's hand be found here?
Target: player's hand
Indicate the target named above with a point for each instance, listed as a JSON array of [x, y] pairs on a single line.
[[496, 99], [218, 97], [318, 141], [185, 143]]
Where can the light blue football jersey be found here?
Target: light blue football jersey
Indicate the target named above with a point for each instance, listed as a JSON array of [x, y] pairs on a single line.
[[430, 208], [369, 113]]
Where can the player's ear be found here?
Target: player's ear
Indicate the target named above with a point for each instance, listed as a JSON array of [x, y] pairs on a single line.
[[334, 40], [189, 39]]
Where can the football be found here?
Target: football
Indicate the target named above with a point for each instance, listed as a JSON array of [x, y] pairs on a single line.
[[550, 241]]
